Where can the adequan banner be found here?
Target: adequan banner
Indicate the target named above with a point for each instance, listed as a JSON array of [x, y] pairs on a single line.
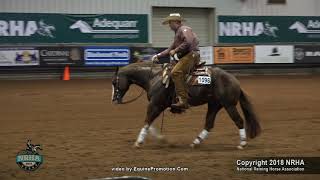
[[307, 54], [61, 56], [73, 28], [273, 54], [240, 54], [19, 57]]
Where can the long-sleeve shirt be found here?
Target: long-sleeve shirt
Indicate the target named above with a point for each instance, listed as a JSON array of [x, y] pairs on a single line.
[[185, 41]]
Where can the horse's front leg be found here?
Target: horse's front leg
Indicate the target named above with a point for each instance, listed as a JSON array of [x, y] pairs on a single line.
[[153, 112]]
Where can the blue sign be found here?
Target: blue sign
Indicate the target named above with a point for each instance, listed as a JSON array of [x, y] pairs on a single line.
[[106, 56]]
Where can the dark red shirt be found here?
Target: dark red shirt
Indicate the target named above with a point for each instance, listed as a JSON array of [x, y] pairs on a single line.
[[185, 41]]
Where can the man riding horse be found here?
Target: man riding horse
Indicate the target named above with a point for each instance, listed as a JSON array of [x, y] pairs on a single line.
[[184, 48]]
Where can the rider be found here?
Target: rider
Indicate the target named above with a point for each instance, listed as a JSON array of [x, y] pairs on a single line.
[[185, 48]]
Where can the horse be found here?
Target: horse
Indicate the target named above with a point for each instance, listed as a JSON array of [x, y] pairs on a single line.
[[223, 92], [45, 30], [33, 147], [83, 26]]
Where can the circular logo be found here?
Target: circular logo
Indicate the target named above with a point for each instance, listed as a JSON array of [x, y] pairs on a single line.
[[29, 159], [298, 53]]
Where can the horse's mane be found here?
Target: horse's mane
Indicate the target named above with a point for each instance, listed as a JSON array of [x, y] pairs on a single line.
[[139, 66]]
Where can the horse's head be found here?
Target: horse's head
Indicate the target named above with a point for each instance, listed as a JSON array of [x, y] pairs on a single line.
[[120, 85]]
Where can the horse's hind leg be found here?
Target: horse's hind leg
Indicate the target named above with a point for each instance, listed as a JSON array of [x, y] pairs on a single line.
[[213, 109], [237, 119], [153, 112]]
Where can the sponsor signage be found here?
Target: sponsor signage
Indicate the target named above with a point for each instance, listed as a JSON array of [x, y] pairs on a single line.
[[307, 54], [106, 56], [71, 28], [273, 54], [262, 29], [240, 54], [53, 56], [19, 57], [206, 54]]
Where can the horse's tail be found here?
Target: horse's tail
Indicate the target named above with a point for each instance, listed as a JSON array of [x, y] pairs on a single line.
[[252, 124]]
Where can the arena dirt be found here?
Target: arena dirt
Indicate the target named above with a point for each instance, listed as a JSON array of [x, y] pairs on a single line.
[[84, 136]]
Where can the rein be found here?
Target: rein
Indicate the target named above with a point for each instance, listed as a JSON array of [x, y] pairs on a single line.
[[134, 99]]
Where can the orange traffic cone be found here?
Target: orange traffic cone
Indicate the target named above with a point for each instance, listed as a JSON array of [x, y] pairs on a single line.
[[66, 74]]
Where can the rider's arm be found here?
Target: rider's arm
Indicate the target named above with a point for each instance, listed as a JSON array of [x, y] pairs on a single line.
[[166, 52]]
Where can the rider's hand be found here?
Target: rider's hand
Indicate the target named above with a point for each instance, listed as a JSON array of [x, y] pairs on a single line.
[[172, 52], [155, 59]]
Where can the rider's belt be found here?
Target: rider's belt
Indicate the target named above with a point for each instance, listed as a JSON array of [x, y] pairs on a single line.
[[178, 56]]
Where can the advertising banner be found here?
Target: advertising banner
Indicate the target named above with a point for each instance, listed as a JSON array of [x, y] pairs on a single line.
[[19, 57], [240, 54], [273, 54], [106, 56], [53, 56], [206, 54], [266, 29], [73, 28], [307, 54]]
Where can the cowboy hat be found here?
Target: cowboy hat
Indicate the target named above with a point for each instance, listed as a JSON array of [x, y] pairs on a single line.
[[173, 17]]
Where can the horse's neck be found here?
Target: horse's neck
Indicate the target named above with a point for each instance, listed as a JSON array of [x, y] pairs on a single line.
[[142, 77]]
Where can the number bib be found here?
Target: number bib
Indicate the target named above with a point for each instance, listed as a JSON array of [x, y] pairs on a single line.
[[204, 80]]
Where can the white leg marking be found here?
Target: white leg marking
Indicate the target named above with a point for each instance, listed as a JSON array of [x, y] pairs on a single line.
[[112, 92], [202, 136], [242, 133], [243, 138], [142, 135]]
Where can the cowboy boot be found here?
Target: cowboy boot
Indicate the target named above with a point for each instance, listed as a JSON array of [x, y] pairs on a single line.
[[181, 104]]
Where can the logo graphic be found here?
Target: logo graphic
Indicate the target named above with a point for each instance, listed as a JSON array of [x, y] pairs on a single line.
[[275, 52], [25, 28], [222, 53], [302, 29], [270, 30], [29, 159], [247, 29], [299, 53], [45, 29], [26, 58], [84, 27]]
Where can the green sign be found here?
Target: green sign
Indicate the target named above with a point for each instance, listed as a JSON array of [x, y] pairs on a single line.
[[268, 29], [72, 28]]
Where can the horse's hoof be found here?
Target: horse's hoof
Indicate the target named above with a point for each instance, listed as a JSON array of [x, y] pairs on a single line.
[[162, 139], [137, 145], [242, 145], [193, 146]]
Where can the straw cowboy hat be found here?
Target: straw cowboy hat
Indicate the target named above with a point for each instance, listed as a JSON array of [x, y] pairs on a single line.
[[173, 17]]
